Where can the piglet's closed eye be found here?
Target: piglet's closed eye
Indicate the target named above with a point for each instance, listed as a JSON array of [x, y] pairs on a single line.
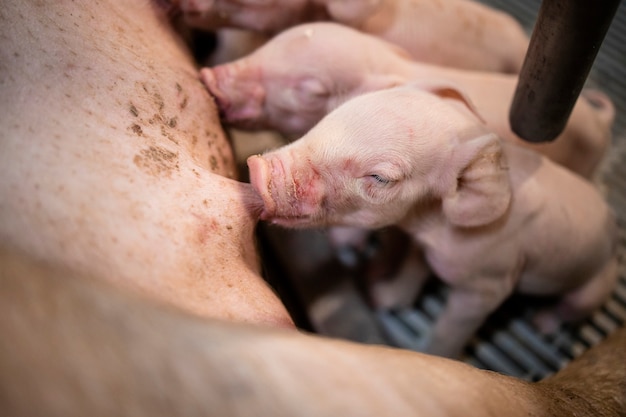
[[380, 179], [481, 193]]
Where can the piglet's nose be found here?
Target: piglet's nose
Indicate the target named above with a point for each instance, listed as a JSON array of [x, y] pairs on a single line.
[[208, 78], [260, 178]]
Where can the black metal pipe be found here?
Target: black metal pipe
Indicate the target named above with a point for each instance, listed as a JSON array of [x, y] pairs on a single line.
[[564, 43]]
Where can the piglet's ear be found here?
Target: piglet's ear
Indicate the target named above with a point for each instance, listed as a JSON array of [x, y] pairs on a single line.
[[481, 193], [446, 89]]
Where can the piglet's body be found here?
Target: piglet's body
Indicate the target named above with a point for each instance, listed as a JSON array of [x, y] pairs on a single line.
[[297, 77], [457, 33], [491, 217]]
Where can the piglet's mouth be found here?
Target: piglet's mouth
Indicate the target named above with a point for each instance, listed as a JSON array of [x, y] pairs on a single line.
[[239, 101], [209, 80], [260, 172], [291, 221], [278, 190]]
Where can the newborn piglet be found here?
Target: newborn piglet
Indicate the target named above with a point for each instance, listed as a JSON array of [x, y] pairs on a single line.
[[490, 217], [456, 33]]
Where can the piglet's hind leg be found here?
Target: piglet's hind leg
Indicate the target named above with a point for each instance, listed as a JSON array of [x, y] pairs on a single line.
[[580, 303]]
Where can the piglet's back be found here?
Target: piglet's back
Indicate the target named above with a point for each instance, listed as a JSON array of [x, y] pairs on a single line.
[[558, 205]]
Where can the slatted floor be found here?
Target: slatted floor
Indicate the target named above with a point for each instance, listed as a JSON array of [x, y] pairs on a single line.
[[508, 343]]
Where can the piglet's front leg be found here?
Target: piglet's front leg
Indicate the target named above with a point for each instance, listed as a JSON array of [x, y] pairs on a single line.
[[466, 309]]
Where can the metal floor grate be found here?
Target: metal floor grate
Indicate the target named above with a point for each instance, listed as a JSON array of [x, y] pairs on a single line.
[[508, 343]]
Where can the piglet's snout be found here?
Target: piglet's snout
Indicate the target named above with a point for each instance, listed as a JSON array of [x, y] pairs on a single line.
[[210, 80], [260, 179], [288, 192], [237, 91]]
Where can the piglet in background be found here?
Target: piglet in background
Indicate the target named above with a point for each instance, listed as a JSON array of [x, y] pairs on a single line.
[[457, 33], [300, 75], [490, 217]]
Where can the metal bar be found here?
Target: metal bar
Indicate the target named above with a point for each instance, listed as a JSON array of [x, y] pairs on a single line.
[[563, 46]]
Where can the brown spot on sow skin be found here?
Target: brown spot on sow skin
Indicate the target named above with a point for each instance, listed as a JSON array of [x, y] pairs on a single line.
[[167, 135], [133, 110], [183, 103], [157, 118], [158, 100], [157, 161], [213, 163], [136, 129]]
